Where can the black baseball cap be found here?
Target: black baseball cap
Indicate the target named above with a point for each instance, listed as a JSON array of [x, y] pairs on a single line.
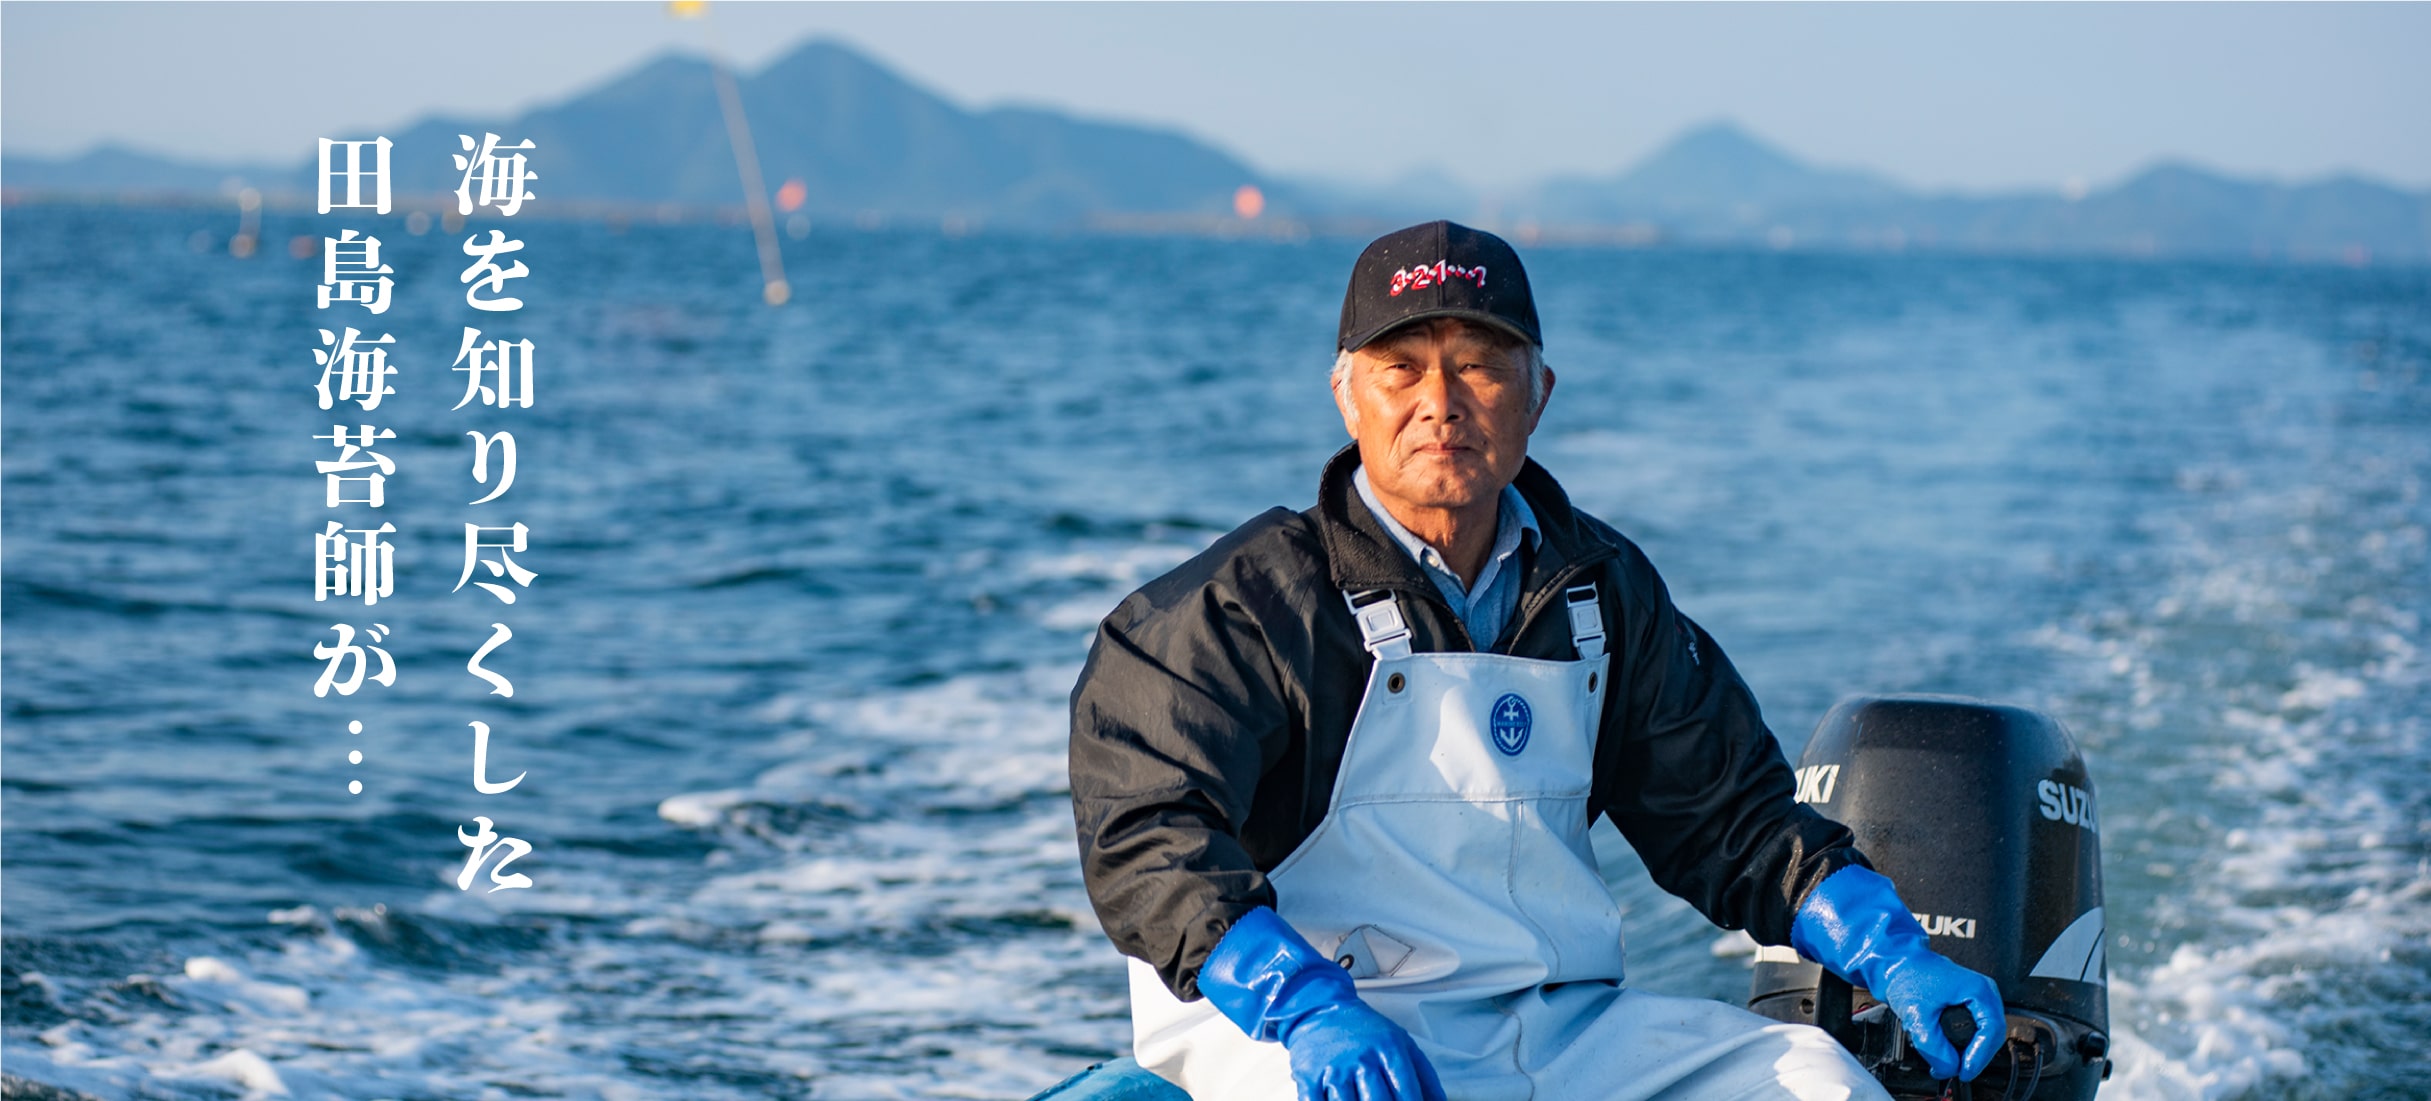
[[1440, 269]]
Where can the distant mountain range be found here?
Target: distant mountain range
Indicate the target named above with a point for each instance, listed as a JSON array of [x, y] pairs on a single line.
[[1718, 183], [860, 138], [867, 144]]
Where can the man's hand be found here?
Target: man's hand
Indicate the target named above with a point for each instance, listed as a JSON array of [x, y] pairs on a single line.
[[1352, 1053], [1854, 923], [1919, 987], [1264, 977]]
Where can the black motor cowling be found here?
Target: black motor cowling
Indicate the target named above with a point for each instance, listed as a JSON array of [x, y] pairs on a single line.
[[1983, 816]]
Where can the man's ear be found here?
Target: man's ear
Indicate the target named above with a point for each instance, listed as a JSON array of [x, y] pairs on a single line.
[[1343, 403], [1539, 414]]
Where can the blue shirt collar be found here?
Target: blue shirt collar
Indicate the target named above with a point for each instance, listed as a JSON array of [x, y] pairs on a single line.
[[1513, 520]]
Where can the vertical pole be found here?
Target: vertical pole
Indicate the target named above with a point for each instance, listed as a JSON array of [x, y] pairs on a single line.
[[773, 287], [755, 192]]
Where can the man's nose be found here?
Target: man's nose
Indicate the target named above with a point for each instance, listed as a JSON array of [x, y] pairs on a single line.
[[1436, 400]]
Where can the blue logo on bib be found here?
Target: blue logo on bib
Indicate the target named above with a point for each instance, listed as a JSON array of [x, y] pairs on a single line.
[[1510, 723]]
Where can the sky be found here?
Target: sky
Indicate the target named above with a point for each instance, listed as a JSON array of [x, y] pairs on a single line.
[[1973, 97]]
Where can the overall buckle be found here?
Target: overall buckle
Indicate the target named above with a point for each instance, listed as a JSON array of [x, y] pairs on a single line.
[[1586, 621], [1381, 628]]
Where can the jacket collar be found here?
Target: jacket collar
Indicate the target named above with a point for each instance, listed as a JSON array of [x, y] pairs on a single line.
[[1361, 555]]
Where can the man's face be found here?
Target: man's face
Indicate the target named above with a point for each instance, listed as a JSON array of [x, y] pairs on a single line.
[[1440, 411]]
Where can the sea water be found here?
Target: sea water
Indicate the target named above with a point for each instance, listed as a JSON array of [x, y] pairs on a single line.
[[814, 581]]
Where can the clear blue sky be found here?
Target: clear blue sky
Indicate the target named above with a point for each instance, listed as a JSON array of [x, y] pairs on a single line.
[[1966, 96]]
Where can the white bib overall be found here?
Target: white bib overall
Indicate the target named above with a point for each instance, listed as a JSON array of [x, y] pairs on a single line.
[[1453, 877]]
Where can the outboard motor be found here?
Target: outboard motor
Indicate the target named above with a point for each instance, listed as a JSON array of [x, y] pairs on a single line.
[[1983, 816]]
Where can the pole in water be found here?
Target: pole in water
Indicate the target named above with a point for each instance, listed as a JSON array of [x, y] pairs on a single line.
[[773, 288]]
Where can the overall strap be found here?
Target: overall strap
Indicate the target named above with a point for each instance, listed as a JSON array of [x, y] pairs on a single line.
[[1586, 621], [1387, 635], [1381, 628]]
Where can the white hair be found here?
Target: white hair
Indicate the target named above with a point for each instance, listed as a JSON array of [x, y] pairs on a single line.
[[1535, 366]]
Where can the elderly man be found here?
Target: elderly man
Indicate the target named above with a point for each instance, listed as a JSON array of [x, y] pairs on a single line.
[[1333, 777]]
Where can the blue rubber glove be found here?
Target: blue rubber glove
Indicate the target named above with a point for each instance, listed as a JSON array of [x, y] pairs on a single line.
[[1264, 977], [1854, 924]]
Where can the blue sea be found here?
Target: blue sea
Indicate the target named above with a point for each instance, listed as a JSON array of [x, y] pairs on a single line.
[[814, 581]]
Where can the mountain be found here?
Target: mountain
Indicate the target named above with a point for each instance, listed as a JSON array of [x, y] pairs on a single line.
[[120, 169], [1719, 184], [2177, 208], [1716, 174], [863, 140]]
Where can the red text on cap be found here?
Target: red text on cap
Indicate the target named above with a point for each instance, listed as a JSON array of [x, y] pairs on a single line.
[[1441, 271]]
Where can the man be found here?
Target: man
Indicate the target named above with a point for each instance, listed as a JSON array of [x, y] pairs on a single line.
[[1333, 776]]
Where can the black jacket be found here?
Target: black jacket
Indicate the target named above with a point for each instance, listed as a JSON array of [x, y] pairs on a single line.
[[1210, 719]]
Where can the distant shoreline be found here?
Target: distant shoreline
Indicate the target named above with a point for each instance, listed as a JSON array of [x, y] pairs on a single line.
[[620, 216]]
